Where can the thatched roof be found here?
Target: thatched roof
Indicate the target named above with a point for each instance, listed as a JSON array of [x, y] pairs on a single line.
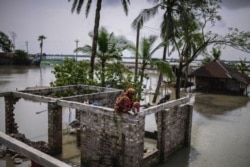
[[218, 69]]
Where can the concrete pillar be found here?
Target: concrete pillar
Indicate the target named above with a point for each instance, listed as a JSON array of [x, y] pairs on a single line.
[[10, 124], [54, 128], [78, 115], [134, 142], [78, 132], [188, 129], [112, 140], [161, 129], [174, 129]]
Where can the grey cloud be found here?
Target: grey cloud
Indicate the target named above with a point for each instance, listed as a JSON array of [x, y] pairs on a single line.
[[235, 4], [111, 2]]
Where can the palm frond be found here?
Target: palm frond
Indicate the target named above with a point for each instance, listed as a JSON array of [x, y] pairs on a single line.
[[125, 6], [162, 44], [145, 15], [85, 49], [88, 7], [73, 5], [164, 67]]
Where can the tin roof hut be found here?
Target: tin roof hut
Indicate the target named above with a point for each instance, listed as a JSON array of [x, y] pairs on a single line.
[[217, 75]]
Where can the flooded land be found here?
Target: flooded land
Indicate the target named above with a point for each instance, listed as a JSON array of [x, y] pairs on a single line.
[[220, 123]]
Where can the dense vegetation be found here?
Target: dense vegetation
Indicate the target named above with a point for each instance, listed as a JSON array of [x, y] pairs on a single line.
[[183, 31]]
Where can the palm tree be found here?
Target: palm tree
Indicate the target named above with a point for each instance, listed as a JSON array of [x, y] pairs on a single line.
[[242, 66], [182, 27], [206, 60], [109, 47], [41, 38], [192, 40], [136, 24], [216, 54], [145, 53], [77, 5], [168, 30]]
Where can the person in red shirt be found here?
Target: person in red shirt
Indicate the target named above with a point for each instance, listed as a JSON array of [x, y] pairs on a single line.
[[125, 102]]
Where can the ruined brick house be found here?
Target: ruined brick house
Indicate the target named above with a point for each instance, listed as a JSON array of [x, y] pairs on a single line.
[[106, 139]]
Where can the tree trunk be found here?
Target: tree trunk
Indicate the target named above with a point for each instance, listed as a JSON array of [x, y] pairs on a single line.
[[178, 80], [157, 90], [95, 37], [177, 87], [41, 47], [102, 74], [137, 50], [141, 79]]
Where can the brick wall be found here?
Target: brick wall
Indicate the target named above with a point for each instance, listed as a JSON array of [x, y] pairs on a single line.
[[113, 140], [108, 139]]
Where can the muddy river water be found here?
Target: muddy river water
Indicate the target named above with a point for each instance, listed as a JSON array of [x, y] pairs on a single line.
[[220, 123]]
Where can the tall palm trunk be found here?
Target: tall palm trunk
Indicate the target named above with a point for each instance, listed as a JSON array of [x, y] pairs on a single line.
[[137, 50], [95, 37], [141, 78], [167, 33], [41, 46], [178, 80], [157, 90], [102, 73]]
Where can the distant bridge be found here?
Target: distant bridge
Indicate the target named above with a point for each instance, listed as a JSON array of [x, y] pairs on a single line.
[[6, 58], [125, 59]]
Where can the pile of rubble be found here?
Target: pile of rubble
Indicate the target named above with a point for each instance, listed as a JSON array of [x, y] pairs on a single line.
[[39, 145]]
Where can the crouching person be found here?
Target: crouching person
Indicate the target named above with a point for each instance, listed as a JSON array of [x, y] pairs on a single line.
[[125, 102]]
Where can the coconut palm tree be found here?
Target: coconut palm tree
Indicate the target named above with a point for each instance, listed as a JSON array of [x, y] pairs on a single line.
[[241, 66], [41, 38], [110, 48], [216, 54], [77, 6], [136, 24], [145, 53], [182, 28], [168, 30]]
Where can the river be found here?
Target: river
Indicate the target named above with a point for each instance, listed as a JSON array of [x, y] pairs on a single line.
[[220, 126]]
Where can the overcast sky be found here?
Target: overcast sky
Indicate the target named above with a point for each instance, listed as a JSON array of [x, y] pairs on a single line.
[[53, 19]]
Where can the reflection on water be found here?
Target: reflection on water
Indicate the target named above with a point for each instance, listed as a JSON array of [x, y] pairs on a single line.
[[7, 162], [210, 104], [71, 152], [31, 121], [19, 77], [220, 133], [220, 127]]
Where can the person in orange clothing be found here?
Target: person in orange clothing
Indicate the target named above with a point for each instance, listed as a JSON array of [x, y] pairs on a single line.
[[125, 102]]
